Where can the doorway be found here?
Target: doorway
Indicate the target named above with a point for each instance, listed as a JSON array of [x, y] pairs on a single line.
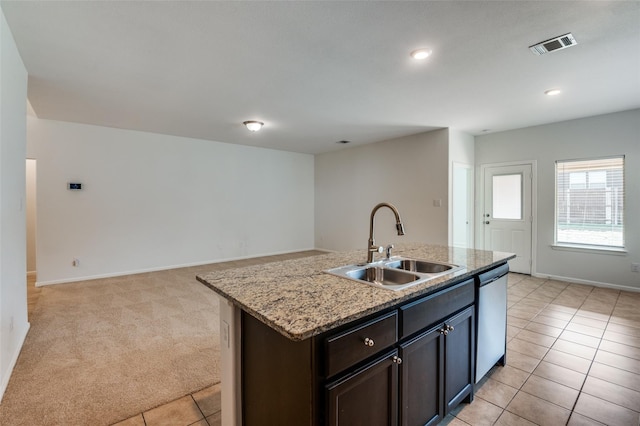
[[33, 292], [31, 217], [507, 212], [462, 206]]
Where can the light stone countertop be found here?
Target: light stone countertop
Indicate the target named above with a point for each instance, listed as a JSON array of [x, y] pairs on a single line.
[[299, 300]]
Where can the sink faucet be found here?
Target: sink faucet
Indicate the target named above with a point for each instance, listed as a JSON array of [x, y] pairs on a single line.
[[372, 248]]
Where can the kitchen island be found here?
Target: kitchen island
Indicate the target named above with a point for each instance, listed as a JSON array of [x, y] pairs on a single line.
[[288, 331]]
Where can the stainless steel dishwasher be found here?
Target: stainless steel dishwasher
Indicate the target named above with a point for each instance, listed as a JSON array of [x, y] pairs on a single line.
[[491, 333]]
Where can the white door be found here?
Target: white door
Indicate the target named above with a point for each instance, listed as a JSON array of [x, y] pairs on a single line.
[[507, 213]]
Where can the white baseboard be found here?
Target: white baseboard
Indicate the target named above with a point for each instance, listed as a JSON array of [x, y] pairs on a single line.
[[14, 359], [162, 268], [586, 282]]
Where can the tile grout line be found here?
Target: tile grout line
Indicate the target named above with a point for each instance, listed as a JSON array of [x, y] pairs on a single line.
[[547, 351], [199, 409], [519, 389], [575, 314], [591, 365], [572, 410], [505, 409]]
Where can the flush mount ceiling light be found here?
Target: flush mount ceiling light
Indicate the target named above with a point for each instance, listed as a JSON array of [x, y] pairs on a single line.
[[420, 54], [552, 92], [253, 125]]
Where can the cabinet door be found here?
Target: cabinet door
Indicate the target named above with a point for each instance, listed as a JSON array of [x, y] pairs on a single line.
[[459, 359], [422, 379], [367, 397]]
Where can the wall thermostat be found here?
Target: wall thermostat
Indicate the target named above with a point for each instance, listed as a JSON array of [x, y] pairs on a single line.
[[74, 186]]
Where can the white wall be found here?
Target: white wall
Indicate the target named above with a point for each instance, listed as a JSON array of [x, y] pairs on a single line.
[[153, 201], [605, 135], [13, 286], [461, 147], [409, 172]]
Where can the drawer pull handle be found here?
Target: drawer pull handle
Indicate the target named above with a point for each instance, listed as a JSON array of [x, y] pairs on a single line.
[[397, 359], [369, 342]]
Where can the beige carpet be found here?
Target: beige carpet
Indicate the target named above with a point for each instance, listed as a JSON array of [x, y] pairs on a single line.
[[104, 350], [101, 351]]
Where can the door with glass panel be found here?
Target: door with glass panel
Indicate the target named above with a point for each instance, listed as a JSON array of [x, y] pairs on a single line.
[[507, 215]]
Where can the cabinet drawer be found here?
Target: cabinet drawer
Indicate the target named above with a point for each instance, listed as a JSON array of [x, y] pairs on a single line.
[[356, 344], [433, 308]]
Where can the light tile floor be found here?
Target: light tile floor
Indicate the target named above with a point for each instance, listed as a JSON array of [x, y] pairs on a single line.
[[198, 409], [573, 358]]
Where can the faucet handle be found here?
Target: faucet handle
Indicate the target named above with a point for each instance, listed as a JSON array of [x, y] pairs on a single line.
[[376, 249], [388, 249], [373, 249]]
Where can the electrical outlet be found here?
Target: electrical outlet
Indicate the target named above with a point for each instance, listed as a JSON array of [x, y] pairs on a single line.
[[635, 267], [75, 262]]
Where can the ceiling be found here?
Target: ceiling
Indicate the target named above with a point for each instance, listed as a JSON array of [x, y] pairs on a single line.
[[317, 72]]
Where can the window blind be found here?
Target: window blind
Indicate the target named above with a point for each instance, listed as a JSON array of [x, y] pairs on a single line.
[[590, 202]]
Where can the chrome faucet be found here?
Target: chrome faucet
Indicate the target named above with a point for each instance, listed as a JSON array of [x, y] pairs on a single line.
[[387, 250], [372, 248]]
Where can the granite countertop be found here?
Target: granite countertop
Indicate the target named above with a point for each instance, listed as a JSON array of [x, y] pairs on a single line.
[[299, 300]]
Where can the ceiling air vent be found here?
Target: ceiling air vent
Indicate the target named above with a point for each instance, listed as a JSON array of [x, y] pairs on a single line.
[[557, 43]]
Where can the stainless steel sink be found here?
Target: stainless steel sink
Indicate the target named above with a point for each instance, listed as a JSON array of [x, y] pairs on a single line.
[[396, 273], [420, 266], [382, 276]]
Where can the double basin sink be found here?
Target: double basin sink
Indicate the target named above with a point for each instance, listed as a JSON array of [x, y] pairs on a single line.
[[396, 273]]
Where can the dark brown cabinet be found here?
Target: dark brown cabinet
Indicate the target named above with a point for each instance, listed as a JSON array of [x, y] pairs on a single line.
[[408, 365], [347, 348], [367, 397], [437, 370], [422, 380], [458, 359]]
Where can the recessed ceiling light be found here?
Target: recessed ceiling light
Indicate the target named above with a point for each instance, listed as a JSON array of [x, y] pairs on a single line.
[[552, 92], [253, 125], [419, 54]]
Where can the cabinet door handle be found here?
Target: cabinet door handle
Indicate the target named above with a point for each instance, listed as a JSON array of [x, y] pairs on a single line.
[[444, 331], [369, 342], [450, 328], [397, 359]]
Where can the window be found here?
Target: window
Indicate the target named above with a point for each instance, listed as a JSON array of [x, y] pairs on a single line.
[[507, 196], [590, 202]]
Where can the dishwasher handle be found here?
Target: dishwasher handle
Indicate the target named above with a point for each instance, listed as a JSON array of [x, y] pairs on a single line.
[[493, 275]]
